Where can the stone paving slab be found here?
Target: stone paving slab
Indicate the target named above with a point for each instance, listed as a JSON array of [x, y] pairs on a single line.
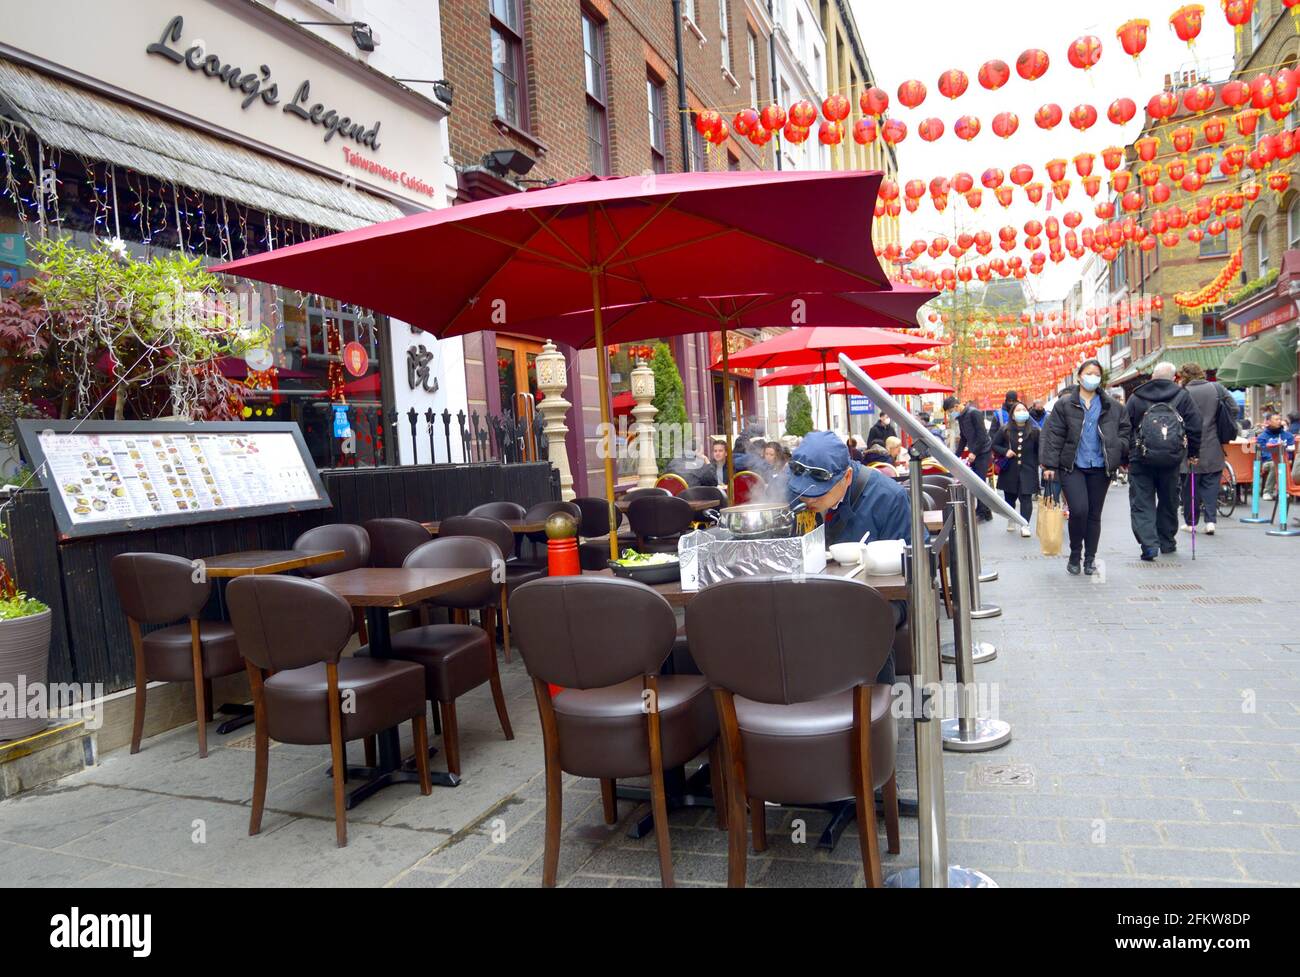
[[1156, 742]]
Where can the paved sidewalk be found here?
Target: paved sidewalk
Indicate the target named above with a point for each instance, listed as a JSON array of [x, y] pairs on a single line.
[[1156, 716]]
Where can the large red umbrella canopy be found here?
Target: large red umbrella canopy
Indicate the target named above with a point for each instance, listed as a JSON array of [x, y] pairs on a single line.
[[896, 308], [489, 264], [823, 344], [876, 367], [910, 383]]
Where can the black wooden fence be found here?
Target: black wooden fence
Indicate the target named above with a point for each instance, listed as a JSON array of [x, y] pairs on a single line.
[[89, 642]]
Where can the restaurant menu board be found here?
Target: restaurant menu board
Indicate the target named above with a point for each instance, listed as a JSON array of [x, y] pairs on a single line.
[[110, 477]]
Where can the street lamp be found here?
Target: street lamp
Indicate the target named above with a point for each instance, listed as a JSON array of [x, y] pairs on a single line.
[[443, 90], [363, 36]]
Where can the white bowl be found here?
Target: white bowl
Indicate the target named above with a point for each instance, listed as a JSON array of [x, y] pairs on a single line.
[[884, 557], [846, 554]]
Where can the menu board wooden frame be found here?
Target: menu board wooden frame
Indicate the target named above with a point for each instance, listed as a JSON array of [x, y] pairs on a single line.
[[30, 432]]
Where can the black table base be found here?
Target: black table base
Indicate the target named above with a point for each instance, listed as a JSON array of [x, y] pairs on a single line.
[[242, 712]]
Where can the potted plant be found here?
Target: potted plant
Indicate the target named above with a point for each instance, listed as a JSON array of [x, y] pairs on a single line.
[[24, 658]]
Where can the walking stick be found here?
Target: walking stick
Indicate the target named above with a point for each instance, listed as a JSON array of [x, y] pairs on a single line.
[[1196, 513]]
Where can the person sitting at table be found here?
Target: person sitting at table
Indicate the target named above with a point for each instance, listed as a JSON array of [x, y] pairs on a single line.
[[745, 461], [776, 456], [1273, 435], [851, 501], [877, 451], [854, 451], [718, 466], [897, 453]]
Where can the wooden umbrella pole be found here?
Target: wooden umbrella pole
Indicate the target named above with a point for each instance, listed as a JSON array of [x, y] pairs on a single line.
[[726, 419], [602, 367], [826, 389]]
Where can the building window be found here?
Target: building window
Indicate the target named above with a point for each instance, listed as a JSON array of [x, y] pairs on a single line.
[[1214, 246], [655, 100], [1213, 326], [1256, 25], [1261, 249], [593, 56], [688, 9], [733, 162], [508, 72], [1293, 224], [753, 69], [724, 34], [801, 36], [699, 161]]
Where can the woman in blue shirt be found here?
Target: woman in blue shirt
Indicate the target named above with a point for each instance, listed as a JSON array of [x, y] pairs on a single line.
[[1083, 443]]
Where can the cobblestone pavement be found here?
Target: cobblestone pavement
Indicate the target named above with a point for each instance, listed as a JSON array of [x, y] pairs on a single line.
[[1156, 718]]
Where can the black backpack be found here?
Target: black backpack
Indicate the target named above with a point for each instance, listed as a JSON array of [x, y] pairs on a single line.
[[1160, 436], [1225, 422]]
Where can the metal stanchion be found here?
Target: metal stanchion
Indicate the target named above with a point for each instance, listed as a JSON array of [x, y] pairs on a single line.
[[1283, 479], [967, 732], [933, 870], [1254, 516], [978, 609], [979, 651]]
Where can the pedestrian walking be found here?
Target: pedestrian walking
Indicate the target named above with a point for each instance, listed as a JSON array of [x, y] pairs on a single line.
[[973, 436], [1165, 429], [1002, 415], [1015, 446], [1201, 482], [1084, 442]]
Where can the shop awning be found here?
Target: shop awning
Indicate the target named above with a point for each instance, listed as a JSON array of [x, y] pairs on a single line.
[[1268, 361], [96, 128], [1210, 357]]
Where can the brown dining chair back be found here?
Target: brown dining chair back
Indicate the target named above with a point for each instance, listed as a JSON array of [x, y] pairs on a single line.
[[793, 663], [604, 639], [483, 527], [707, 493], [158, 588], [939, 491], [498, 510], [641, 493], [292, 632], [660, 516], [391, 539], [352, 539], [459, 552], [595, 516]]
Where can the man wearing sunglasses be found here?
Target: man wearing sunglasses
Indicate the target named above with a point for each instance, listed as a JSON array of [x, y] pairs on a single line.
[[851, 500]]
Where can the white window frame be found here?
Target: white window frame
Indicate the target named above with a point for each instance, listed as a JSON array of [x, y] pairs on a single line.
[[1293, 223], [1261, 251], [724, 34]]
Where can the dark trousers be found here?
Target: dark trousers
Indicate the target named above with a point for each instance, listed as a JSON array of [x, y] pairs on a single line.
[[1085, 494], [1207, 496], [1026, 503], [981, 468], [1153, 505]]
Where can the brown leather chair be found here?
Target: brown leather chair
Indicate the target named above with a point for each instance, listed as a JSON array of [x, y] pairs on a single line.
[[659, 521], [593, 551], [709, 492], [498, 510], [291, 633], [155, 588], [604, 640], [354, 541], [641, 493], [517, 573], [457, 657], [391, 539], [793, 664]]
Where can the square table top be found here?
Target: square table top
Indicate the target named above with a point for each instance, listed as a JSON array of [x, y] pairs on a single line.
[[517, 526], [250, 562], [891, 586], [401, 586]]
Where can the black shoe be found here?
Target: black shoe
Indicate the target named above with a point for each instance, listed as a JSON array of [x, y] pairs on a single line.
[[1169, 549], [1149, 554], [1073, 566], [1089, 567]]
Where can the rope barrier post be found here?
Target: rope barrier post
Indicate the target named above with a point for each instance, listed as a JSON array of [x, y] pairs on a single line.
[[1255, 479]]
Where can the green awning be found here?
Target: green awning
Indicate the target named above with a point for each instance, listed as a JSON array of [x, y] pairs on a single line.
[[1210, 357], [1269, 360], [1227, 374]]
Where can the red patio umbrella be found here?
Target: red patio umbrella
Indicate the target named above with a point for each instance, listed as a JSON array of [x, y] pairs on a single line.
[[910, 383], [591, 243], [876, 367]]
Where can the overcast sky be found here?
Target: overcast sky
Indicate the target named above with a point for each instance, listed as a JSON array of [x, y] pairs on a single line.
[[923, 39]]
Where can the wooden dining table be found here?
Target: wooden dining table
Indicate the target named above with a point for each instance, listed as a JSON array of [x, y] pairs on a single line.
[[520, 527], [697, 505], [379, 590]]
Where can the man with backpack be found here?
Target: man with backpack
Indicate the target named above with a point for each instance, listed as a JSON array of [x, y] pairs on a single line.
[[1218, 426], [1165, 430]]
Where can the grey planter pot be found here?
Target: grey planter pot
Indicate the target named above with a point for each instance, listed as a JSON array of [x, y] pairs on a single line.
[[24, 662]]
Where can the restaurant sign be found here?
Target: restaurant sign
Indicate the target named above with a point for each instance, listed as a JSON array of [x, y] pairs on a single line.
[[736, 342], [1270, 320]]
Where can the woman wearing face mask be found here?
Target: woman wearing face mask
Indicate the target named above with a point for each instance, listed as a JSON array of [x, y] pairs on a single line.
[[1015, 445], [1082, 444]]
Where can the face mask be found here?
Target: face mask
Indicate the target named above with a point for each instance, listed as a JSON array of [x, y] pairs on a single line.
[[1090, 381], [1021, 416]]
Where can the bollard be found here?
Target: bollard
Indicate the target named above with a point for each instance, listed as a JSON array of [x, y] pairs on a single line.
[[978, 609], [967, 732], [980, 651], [1255, 479], [1283, 483]]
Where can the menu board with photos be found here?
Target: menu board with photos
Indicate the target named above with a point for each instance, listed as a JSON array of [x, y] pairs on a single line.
[[119, 476]]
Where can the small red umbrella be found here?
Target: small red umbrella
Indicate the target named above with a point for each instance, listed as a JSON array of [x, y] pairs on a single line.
[[910, 383], [876, 367]]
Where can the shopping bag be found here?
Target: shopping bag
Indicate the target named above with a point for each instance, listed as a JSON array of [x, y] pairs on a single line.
[[1051, 520]]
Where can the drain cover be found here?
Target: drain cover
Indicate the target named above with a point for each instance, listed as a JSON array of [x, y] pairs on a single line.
[[1227, 600], [1170, 586], [1154, 565], [1004, 775], [248, 742], [1144, 600]]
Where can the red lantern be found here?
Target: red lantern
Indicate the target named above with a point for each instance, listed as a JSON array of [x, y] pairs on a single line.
[[1279, 182], [1149, 175], [1048, 116], [911, 93], [967, 127], [1286, 85], [1160, 193], [795, 134], [744, 121], [1021, 174], [1183, 137], [1261, 91], [1147, 147], [1246, 121], [1003, 195], [1234, 94], [953, 83], [1235, 155], [1072, 219], [1121, 111], [1186, 22], [1112, 157], [930, 129], [864, 131], [1119, 180], [1132, 201], [1105, 210], [760, 135], [1170, 239], [1193, 182], [707, 122], [1251, 191], [973, 198], [1213, 130], [1083, 164], [720, 134], [1005, 124], [1163, 105], [1034, 191], [994, 74], [962, 182], [1056, 169], [1278, 111], [836, 108], [1133, 37], [830, 133], [1083, 117], [803, 113], [1176, 168], [1032, 64], [992, 178], [1237, 12], [1195, 235], [873, 101], [1060, 190], [893, 131], [913, 188], [1084, 52], [772, 117], [1199, 97]]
